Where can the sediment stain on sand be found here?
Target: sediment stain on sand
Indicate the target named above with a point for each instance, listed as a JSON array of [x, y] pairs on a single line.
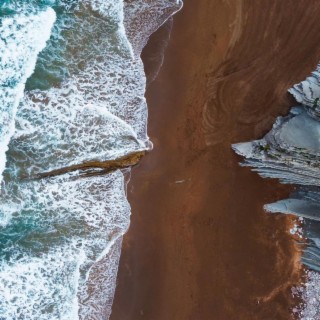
[[200, 246], [277, 44]]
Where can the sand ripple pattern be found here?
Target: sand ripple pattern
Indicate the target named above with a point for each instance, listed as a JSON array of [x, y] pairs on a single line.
[[259, 51]]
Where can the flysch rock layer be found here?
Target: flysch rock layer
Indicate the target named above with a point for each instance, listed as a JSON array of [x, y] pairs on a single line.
[[290, 152]]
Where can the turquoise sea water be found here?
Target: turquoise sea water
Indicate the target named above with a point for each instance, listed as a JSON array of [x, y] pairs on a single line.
[[71, 91]]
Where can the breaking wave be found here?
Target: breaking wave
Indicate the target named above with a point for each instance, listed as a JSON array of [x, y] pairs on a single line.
[[72, 99], [22, 38]]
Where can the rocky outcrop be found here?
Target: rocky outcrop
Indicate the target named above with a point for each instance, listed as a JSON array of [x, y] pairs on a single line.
[[97, 167], [290, 152]]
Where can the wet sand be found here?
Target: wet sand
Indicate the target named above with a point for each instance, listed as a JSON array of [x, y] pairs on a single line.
[[200, 246]]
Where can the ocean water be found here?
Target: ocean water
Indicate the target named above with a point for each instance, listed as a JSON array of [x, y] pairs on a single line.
[[72, 93]]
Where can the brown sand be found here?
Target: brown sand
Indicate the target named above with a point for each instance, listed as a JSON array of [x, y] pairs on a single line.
[[200, 246]]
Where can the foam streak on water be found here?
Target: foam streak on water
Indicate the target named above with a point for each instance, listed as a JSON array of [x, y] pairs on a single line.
[[60, 237]]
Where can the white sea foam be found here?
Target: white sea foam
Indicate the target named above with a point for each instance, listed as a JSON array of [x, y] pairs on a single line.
[[72, 132], [66, 231], [310, 293], [96, 114], [32, 287], [22, 37], [65, 226], [142, 18]]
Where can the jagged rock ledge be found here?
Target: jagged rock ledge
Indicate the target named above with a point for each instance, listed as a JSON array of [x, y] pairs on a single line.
[[291, 153], [108, 166]]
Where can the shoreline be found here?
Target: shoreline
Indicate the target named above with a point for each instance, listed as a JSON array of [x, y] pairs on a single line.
[[200, 244]]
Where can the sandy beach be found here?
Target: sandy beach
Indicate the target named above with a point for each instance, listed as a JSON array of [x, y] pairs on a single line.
[[200, 246]]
